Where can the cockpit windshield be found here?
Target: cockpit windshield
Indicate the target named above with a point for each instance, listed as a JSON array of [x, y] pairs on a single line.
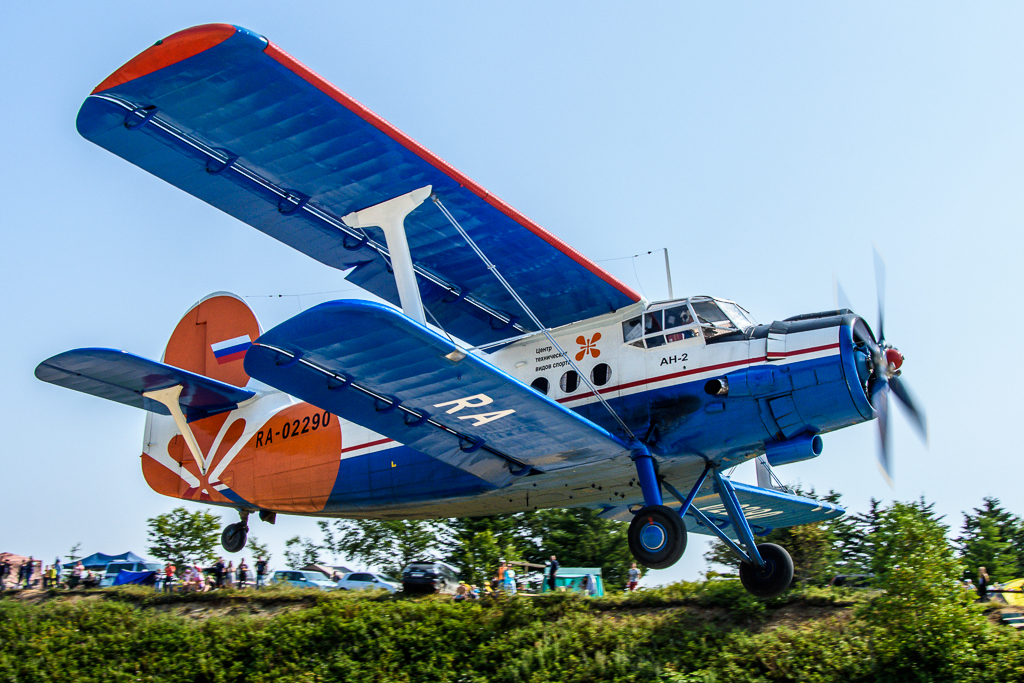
[[675, 321]]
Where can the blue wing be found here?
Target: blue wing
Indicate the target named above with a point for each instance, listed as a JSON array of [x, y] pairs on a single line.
[[765, 509], [230, 118], [376, 367], [123, 377]]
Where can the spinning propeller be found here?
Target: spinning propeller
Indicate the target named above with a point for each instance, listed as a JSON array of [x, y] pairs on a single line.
[[885, 363]]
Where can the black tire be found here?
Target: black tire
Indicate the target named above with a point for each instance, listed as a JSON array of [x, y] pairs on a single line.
[[232, 539], [774, 578], [657, 537]]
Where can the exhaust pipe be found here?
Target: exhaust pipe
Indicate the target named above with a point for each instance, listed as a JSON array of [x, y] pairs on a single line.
[[803, 447]]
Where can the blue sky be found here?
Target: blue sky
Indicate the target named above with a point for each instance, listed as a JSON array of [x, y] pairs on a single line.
[[766, 146]]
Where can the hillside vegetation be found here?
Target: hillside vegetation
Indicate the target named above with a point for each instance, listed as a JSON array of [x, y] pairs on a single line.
[[709, 631]]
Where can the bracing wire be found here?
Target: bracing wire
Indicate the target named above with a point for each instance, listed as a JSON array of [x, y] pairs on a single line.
[[529, 312]]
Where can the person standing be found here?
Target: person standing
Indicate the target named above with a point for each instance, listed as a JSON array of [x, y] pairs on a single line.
[[983, 582], [261, 572], [510, 581], [76, 575], [243, 573], [218, 572], [231, 573], [5, 569], [634, 577], [29, 567], [169, 576], [553, 572]]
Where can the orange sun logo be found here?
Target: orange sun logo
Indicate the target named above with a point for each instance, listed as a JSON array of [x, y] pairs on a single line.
[[588, 346]]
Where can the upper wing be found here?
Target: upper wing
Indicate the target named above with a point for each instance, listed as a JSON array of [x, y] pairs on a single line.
[[124, 378], [229, 117], [376, 367]]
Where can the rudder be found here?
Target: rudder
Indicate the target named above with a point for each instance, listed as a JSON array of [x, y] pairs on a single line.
[[212, 337]]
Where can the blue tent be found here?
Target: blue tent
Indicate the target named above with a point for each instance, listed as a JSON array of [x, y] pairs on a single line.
[[141, 578], [101, 560]]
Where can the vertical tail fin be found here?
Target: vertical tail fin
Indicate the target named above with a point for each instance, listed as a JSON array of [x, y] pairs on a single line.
[[212, 338]]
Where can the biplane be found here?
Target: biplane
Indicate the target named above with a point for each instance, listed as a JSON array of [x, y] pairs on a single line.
[[506, 372]]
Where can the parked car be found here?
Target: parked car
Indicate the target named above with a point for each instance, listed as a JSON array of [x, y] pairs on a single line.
[[358, 581], [115, 567], [303, 579], [430, 577], [852, 580]]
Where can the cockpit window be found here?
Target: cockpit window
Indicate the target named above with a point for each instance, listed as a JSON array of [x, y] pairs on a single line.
[[631, 329], [652, 322], [709, 312], [738, 316], [661, 324], [677, 316]]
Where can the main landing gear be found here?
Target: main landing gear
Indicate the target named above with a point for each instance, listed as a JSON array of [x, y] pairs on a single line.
[[232, 539], [657, 534]]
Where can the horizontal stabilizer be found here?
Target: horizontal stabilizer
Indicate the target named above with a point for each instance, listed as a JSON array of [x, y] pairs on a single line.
[[765, 509], [374, 366], [124, 377]]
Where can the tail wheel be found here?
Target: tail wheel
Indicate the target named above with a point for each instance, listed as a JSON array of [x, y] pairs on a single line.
[[657, 536], [774, 577], [233, 537]]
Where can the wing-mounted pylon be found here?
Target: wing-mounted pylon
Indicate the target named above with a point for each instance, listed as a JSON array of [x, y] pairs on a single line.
[[376, 367]]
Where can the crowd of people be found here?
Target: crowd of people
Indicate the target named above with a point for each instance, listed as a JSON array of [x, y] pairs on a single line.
[[196, 579], [31, 573], [505, 582]]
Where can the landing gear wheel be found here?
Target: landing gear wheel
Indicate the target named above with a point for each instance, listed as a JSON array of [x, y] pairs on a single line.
[[233, 537], [657, 536], [774, 577]]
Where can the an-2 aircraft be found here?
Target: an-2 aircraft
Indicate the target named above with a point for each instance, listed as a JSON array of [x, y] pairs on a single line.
[[516, 375]]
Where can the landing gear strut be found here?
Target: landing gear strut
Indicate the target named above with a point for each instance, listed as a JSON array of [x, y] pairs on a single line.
[[233, 537], [657, 534]]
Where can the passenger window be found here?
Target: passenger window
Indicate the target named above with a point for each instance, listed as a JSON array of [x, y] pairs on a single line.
[[631, 330], [540, 385], [601, 374], [570, 382], [652, 322], [677, 316]]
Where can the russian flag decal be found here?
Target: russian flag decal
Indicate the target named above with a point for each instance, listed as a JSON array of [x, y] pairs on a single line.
[[231, 349]]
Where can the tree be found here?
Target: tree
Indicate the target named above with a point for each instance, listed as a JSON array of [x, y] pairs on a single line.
[[301, 552], [922, 625], [580, 538], [258, 549], [855, 539], [73, 555], [991, 538], [184, 537], [390, 544]]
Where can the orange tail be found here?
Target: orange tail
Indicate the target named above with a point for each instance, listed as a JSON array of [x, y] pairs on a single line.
[[212, 338]]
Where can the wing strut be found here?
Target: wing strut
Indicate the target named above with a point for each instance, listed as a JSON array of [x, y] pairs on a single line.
[[169, 398], [390, 216], [536, 321]]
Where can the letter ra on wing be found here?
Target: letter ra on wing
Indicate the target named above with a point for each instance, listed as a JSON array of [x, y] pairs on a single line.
[[483, 418], [477, 401]]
